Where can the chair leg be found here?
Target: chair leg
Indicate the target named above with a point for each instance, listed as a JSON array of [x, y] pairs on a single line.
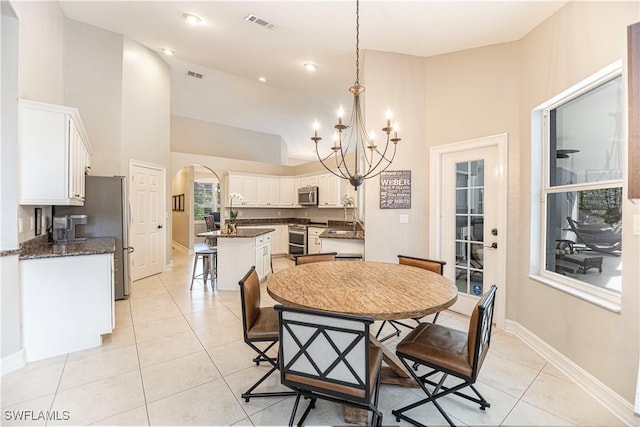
[[262, 356], [193, 274], [295, 408], [391, 335], [205, 269]]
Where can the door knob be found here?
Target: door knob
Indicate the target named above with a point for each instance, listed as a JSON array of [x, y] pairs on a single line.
[[160, 226], [494, 245]]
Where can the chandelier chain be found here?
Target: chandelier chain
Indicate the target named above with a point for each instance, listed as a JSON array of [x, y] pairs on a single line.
[[357, 42]]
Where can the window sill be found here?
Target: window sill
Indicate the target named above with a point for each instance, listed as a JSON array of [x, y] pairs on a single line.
[[614, 306]]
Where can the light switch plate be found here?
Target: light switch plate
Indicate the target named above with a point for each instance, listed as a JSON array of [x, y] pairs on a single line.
[[403, 219]]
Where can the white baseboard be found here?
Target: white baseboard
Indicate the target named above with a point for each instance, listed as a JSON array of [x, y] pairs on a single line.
[[13, 362], [599, 391]]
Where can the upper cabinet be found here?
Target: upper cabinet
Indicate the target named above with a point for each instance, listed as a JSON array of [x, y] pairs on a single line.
[[54, 155], [268, 191]]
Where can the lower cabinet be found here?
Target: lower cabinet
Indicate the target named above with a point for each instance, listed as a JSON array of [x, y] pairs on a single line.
[[236, 255], [343, 246], [314, 245], [67, 303]]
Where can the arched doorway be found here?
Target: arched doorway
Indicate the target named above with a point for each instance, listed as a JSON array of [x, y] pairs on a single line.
[[196, 193]]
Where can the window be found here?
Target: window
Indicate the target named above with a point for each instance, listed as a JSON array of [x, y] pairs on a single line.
[[581, 188], [206, 199]]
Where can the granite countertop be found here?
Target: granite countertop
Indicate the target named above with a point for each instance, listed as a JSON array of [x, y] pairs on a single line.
[[245, 233], [40, 248], [333, 233]]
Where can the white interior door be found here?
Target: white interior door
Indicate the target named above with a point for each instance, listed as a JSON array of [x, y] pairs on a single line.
[[147, 233], [472, 220]]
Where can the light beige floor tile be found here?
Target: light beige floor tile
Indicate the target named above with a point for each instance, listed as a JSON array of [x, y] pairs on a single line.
[[155, 290], [324, 414], [119, 338], [84, 368], [31, 413], [177, 375], [147, 313], [510, 347], [36, 379], [524, 414], [100, 399], [233, 357], [133, 417], [245, 422], [566, 400], [551, 369], [146, 302], [167, 348], [239, 382], [160, 328], [209, 404], [471, 414], [200, 304], [506, 375], [124, 320], [426, 414], [214, 317], [228, 332], [455, 321], [122, 306]]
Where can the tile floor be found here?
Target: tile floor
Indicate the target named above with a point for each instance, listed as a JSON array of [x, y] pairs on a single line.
[[177, 358]]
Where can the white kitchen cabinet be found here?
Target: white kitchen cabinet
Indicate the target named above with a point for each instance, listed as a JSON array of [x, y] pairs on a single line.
[[246, 185], [314, 243], [329, 191], [237, 254], [343, 246], [273, 192], [67, 303], [288, 193], [54, 145]]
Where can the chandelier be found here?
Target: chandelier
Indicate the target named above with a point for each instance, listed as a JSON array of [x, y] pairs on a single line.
[[370, 161]]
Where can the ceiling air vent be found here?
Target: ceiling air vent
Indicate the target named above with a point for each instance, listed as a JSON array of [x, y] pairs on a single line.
[[195, 75], [259, 21]]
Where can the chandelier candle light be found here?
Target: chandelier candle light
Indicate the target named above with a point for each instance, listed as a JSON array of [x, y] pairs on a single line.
[[369, 160]]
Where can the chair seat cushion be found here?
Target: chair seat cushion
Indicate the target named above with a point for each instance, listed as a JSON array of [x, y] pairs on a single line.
[[438, 345], [265, 326], [204, 249], [319, 385]]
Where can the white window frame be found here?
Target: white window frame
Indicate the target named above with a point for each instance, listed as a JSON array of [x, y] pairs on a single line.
[[541, 188]]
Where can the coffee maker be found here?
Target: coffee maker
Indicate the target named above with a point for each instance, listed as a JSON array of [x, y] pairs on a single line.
[[64, 228]]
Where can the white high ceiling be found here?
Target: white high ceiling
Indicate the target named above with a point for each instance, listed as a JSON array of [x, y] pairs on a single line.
[[232, 53]]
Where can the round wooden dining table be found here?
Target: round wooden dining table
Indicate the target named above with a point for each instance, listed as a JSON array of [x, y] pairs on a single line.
[[382, 291]]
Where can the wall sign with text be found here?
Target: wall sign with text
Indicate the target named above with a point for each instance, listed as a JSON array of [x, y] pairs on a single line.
[[395, 190]]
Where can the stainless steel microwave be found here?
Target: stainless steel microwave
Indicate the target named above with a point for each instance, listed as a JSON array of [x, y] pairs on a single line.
[[308, 196]]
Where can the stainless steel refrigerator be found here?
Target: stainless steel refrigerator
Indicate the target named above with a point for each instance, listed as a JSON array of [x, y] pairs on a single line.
[[106, 205]]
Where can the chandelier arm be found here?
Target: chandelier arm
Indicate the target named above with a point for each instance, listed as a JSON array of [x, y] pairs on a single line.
[[322, 162], [382, 157]]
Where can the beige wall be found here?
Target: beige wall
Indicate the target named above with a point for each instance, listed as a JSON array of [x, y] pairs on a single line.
[[213, 139], [580, 39], [93, 85], [491, 90], [182, 184]]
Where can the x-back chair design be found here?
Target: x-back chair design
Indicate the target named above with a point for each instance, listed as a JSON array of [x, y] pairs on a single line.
[[451, 352], [329, 356]]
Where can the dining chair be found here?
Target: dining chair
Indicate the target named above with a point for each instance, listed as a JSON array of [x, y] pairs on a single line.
[[329, 356], [321, 257], [426, 264], [209, 221], [259, 325], [451, 352]]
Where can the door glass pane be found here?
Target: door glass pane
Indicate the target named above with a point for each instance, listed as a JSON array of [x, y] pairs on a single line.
[[469, 229]]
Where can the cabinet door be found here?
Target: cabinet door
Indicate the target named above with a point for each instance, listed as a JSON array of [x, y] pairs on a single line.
[[260, 261], [273, 192], [328, 188], [266, 264], [235, 184], [249, 190], [262, 191], [287, 192]]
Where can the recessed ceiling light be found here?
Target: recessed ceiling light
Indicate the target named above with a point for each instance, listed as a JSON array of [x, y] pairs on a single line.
[[309, 66], [192, 19], [262, 79], [167, 51]]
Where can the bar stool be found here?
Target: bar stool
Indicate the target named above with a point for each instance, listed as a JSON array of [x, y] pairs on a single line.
[[209, 257]]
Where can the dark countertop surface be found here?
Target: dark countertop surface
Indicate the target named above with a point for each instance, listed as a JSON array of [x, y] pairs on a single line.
[[245, 233], [40, 248], [333, 233]]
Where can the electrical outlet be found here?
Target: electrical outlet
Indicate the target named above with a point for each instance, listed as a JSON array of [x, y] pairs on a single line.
[[403, 219]]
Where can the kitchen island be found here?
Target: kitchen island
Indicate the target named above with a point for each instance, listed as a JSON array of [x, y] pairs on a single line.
[[238, 251], [67, 295]]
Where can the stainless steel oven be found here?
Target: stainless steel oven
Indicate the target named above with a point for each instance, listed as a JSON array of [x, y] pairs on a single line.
[[297, 240]]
